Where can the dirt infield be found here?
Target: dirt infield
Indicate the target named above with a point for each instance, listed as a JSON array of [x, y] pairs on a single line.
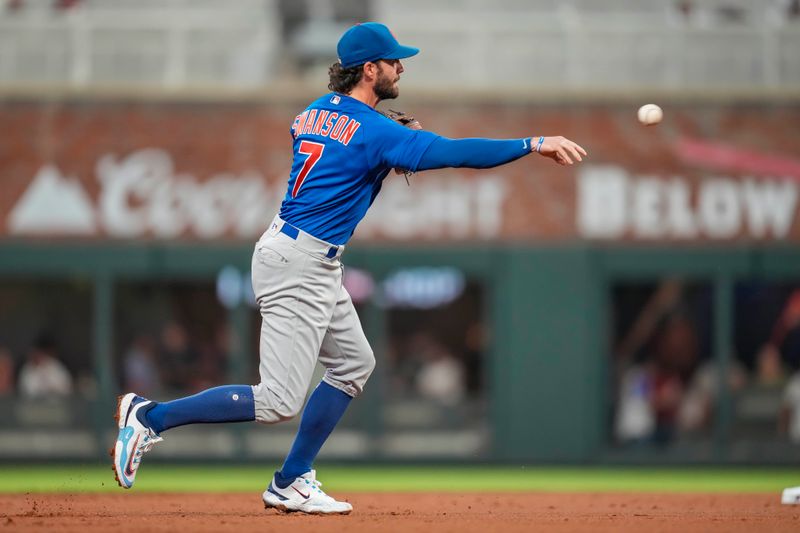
[[413, 512]]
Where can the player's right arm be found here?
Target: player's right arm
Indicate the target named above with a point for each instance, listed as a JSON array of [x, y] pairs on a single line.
[[559, 149], [488, 153], [400, 147]]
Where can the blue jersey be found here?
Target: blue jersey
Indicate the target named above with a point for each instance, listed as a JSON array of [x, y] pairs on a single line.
[[343, 149]]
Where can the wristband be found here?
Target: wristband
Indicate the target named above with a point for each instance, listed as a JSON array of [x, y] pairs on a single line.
[[539, 144]]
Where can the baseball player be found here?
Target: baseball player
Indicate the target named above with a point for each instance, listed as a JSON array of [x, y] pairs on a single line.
[[343, 149]]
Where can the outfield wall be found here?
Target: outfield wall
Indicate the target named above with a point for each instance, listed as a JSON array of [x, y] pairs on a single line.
[[548, 363], [104, 200]]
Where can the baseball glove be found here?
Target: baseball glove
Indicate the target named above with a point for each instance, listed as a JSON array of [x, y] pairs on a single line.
[[403, 118], [409, 122]]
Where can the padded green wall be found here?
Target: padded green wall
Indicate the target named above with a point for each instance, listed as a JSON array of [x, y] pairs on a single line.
[[547, 308]]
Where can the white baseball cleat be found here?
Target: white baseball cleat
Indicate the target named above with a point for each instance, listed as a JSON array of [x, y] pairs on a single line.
[[303, 495], [133, 440]]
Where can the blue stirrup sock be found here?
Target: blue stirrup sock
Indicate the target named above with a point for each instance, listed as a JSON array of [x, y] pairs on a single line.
[[228, 403], [323, 411]]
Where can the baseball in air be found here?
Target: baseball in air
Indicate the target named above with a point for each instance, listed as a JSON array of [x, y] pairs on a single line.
[[650, 114]]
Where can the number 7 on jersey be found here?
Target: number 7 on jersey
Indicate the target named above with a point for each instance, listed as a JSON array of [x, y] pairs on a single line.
[[314, 152]]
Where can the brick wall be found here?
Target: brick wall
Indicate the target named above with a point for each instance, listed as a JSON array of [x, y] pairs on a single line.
[[144, 170]]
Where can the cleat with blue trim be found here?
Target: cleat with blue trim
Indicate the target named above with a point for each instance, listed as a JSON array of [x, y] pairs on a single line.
[[133, 441], [303, 495]]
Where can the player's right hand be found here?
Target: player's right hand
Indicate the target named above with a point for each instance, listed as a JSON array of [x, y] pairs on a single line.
[[560, 149]]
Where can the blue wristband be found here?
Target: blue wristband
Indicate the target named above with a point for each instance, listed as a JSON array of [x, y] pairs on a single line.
[[539, 144]]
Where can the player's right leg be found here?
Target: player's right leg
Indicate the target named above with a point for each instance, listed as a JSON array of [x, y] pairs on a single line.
[[296, 293], [135, 438]]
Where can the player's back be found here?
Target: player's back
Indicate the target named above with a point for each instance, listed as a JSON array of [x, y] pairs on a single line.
[[339, 162]]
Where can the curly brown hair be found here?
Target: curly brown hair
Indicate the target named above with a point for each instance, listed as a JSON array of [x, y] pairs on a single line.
[[342, 80]]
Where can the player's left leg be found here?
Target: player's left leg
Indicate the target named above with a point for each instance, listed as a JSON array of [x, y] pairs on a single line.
[[349, 361]]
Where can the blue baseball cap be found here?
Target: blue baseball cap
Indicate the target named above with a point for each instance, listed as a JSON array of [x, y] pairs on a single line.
[[370, 41]]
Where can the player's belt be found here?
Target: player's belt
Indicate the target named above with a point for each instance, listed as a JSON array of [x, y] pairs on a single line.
[[292, 232]]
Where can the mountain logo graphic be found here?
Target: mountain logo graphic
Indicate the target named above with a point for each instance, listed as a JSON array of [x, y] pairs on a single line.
[[53, 205]]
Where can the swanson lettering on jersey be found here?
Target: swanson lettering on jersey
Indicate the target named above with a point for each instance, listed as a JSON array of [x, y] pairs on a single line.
[[322, 122]]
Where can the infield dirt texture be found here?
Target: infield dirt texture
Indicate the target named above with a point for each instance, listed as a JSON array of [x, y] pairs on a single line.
[[412, 512], [415, 499]]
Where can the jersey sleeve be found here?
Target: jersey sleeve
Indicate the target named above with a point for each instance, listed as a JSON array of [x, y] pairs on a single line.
[[473, 153], [392, 145]]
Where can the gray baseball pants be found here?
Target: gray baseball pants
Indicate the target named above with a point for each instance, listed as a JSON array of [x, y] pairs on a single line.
[[306, 315]]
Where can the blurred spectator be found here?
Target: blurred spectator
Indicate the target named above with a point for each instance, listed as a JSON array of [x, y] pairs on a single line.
[[140, 366], [666, 297], [424, 367], [6, 372], [176, 357], [64, 5], [212, 357], [785, 336], [785, 340], [673, 392], [652, 391], [791, 8], [697, 407], [634, 420], [652, 394], [720, 12], [790, 411], [440, 376], [59, 5], [769, 370], [43, 374]]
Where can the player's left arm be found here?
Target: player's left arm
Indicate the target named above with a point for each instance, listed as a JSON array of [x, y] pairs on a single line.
[[407, 121]]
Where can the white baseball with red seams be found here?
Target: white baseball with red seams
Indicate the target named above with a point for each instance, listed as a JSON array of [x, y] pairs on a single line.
[[650, 114]]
